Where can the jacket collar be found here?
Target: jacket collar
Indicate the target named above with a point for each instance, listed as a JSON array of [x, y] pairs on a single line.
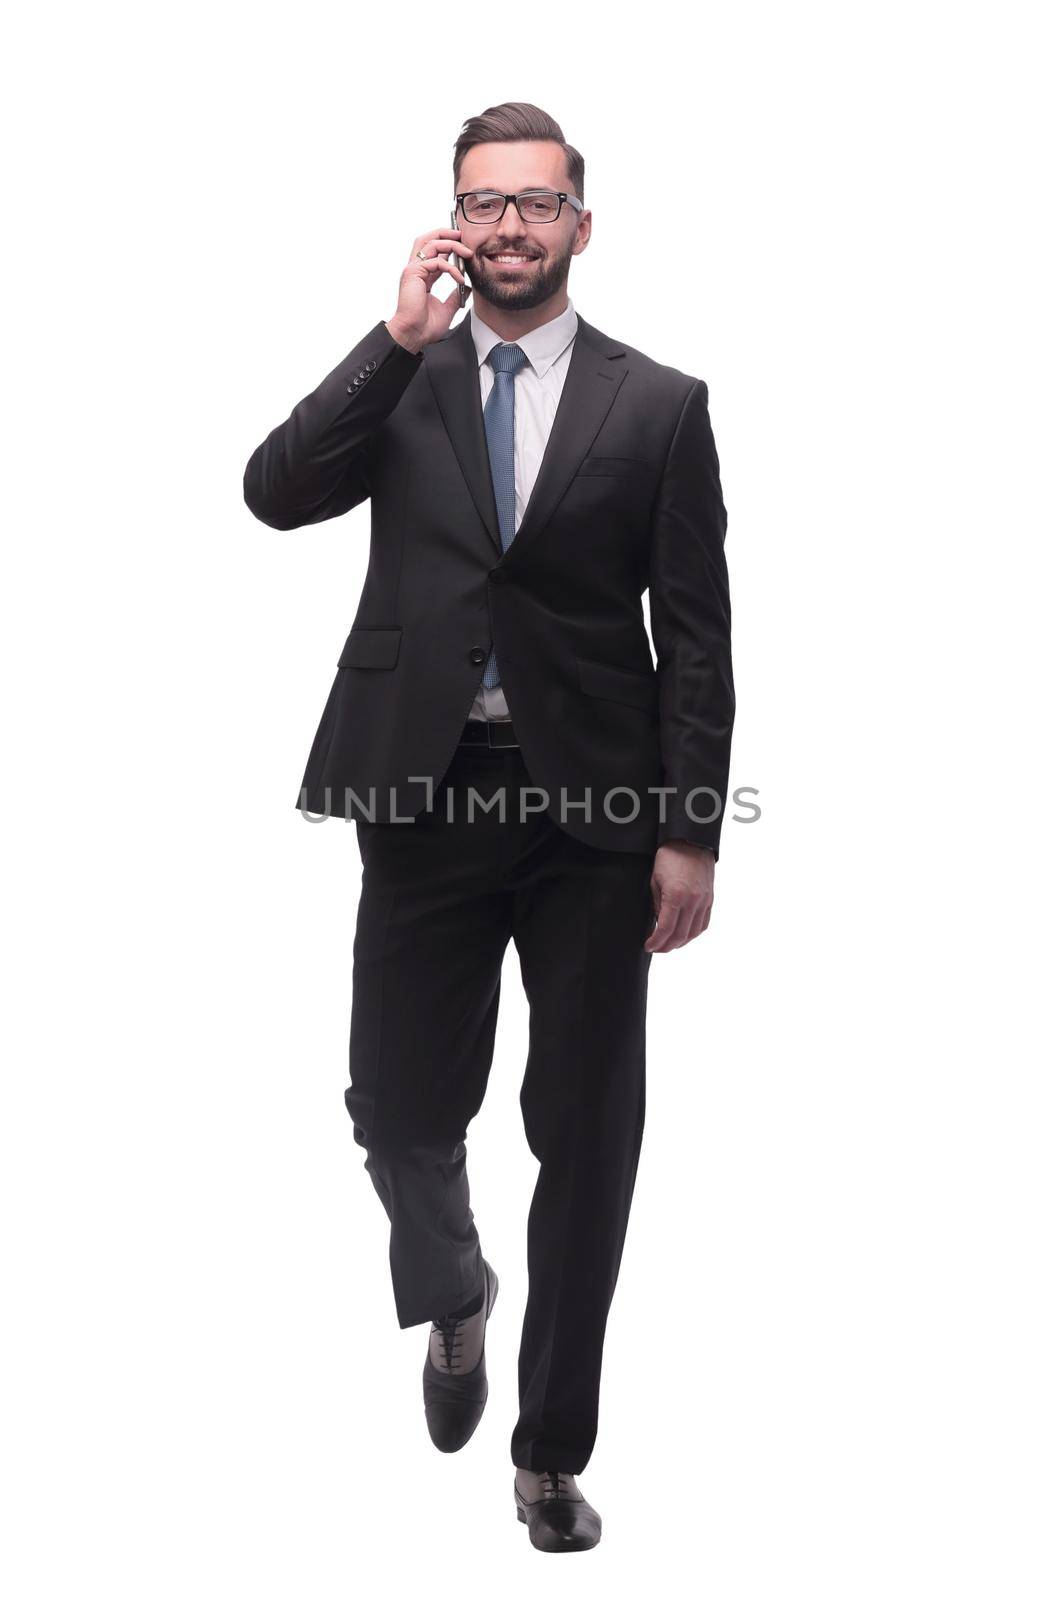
[[595, 374]]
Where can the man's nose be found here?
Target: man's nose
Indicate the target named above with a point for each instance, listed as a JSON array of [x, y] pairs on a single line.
[[512, 223]]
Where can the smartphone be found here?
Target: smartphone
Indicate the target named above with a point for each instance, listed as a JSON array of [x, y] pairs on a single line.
[[458, 261]]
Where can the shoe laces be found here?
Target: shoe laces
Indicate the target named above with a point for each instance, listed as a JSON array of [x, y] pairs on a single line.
[[553, 1483], [451, 1331]]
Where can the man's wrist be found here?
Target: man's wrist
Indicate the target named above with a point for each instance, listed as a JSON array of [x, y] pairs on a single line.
[[400, 336]]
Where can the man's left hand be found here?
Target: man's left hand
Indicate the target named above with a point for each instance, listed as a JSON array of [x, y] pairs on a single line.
[[682, 889]]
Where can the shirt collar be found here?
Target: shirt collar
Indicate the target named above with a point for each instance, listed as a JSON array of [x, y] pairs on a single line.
[[541, 346]]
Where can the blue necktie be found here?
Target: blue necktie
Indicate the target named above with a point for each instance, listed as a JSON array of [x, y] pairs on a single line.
[[499, 418]]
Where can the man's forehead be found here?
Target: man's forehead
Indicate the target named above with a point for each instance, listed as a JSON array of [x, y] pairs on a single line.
[[478, 176], [539, 183]]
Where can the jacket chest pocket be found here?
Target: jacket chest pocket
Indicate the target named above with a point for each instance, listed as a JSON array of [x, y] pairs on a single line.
[[612, 467]]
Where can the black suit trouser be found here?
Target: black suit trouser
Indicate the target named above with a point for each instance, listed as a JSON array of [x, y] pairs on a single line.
[[441, 897]]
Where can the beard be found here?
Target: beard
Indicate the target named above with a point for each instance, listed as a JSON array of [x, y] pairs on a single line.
[[520, 290]]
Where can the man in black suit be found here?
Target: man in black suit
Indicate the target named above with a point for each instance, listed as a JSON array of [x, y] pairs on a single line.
[[517, 765]]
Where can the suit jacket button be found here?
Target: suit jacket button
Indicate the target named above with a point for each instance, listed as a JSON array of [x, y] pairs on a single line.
[[476, 656], [371, 366]]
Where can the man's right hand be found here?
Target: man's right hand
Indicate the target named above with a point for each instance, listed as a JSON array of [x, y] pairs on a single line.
[[421, 317]]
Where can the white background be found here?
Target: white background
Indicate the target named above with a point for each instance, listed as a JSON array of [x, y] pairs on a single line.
[[827, 1364]]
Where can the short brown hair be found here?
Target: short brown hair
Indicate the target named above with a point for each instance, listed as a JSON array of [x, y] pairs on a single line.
[[517, 119]]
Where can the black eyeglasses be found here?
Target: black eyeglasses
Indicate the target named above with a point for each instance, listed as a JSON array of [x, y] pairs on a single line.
[[533, 205]]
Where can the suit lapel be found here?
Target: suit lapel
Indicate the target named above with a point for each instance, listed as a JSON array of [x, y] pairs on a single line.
[[593, 379], [453, 370]]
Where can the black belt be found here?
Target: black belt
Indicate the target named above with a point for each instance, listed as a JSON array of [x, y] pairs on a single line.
[[497, 735]]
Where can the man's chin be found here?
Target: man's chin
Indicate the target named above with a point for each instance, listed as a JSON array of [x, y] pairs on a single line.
[[510, 299], [512, 295]]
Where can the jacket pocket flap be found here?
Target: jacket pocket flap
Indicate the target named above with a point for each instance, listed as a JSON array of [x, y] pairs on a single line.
[[612, 466], [618, 683], [371, 647]]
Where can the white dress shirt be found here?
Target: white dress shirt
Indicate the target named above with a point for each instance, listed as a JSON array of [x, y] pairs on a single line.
[[539, 384]]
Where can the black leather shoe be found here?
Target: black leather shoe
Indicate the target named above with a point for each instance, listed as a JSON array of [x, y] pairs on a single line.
[[455, 1386], [557, 1514]]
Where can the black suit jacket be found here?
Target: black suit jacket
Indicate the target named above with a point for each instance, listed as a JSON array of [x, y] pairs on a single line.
[[628, 498]]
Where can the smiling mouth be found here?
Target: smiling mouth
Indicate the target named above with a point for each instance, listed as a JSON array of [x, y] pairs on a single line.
[[510, 260]]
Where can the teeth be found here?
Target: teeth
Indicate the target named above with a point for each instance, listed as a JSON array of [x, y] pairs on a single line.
[[510, 258]]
